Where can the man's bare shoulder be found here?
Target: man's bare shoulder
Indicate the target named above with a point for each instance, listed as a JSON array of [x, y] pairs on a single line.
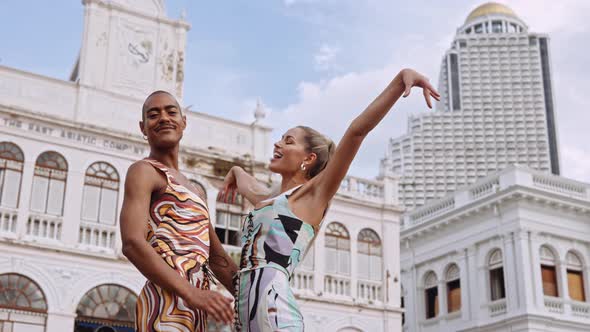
[[144, 174]]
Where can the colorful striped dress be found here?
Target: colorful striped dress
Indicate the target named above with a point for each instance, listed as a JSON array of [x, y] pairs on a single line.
[[178, 230], [274, 242]]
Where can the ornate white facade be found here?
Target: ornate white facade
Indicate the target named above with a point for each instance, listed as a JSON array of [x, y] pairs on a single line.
[[496, 109], [65, 147], [508, 253]]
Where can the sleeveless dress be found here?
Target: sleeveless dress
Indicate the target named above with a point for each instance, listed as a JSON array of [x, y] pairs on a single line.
[[178, 230], [274, 242]]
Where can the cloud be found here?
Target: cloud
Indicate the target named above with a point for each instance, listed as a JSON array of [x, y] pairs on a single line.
[[576, 163], [330, 106], [324, 58], [330, 103]]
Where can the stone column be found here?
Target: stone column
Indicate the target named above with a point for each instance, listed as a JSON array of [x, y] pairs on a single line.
[[353, 268], [523, 271], [539, 297], [476, 291], [319, 263], [25, 198], [72, 207], [60, 321], [464, 282], [562, 286], [510, 273]]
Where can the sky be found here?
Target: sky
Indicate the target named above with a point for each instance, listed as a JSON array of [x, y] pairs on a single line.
[[320, 62]]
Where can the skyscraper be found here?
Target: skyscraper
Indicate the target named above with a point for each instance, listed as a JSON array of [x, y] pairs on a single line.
[[496, 109]]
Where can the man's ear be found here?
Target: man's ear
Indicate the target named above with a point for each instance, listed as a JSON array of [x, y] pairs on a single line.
[[141, 128], [183, 122]]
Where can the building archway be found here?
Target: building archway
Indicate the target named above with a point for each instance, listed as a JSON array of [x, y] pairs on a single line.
[[106, 308], [23, 304]]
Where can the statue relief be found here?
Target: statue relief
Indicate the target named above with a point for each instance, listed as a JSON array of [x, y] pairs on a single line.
[[179, 73]]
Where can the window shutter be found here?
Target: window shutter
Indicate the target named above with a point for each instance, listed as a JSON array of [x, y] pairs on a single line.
[[363, 266], [549, 280], [454, 296], [344, 262], [575, 283], [56, 197], [90, 203], [11, 188], [39, 194], [376, 268], [331, 260], [108, 207]]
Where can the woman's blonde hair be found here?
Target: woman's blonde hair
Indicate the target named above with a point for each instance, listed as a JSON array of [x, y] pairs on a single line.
[[322, 146]]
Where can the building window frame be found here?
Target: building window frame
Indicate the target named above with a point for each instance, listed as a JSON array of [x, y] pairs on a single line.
[[12, 160]]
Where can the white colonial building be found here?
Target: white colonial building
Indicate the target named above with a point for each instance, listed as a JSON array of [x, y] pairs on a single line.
[[496, 109], [65, 147], [508, 253]]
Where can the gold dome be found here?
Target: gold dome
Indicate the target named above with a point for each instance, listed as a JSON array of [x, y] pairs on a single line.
[[490, 8]]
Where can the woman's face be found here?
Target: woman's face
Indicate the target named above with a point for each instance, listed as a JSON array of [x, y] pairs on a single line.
[[163, 122], [289, 152]]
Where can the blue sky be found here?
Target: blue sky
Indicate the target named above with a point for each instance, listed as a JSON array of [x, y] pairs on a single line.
[[318, 62]]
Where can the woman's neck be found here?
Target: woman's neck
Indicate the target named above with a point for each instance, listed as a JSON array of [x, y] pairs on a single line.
[[292, 181]]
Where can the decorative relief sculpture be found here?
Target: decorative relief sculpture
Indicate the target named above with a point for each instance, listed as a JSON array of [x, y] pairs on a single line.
[[179, 73]]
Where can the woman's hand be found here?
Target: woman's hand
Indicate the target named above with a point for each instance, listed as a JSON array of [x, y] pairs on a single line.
[[229, 192], [213, 303], [412, 78]]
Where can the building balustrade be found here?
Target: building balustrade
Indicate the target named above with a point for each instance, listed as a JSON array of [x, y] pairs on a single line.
[[8, 219], [94, 237], [580, 309], [497, 307], [97, 236], [554, 304], [512, 176], [337, 286], [362, 188], [369, 291], [44, 227], [302, 282]]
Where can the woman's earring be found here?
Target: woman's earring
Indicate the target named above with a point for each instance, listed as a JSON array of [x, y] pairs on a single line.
[[145, 137], [302, 167]]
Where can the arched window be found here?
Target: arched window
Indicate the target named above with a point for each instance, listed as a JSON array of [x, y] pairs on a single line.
[[49, 183], [228, 221], [110, 307], [431, 295], [200, 189], [575, 277], [548, 272], [101, 192], [11, 170], [453, 289], [337, 249], [369, 255], [496, 268], [20, 294]]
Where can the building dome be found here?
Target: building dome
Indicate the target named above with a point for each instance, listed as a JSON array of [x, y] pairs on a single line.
[[490, 8]]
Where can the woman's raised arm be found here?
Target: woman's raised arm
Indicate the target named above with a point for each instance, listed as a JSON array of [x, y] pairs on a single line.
[[326, 184]]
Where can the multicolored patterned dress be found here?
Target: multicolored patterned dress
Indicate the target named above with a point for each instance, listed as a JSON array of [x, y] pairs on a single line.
[[178, 230], [274, 242]]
